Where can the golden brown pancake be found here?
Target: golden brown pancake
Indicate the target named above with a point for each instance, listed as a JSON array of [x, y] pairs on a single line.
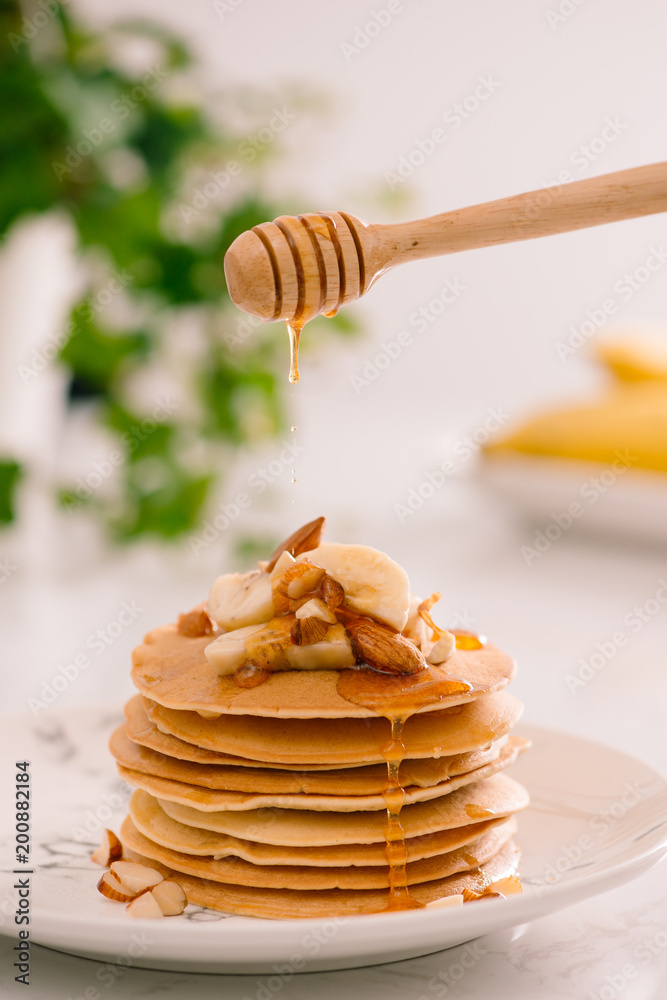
[[427, 771], [141, 729], [151, 820], [496, 796], [452, 731], [209, 800], [237, 871], [328, 903], [341, 781], [171, 669]]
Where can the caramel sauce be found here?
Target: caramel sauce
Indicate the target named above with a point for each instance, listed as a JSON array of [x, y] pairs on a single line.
[[394, 695], [294, 332], [478, 812], [468, 640], [397, 698], [395, 851], [250, 676]]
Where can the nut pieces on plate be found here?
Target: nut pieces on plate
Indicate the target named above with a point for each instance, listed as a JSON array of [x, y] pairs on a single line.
[[146, 892]]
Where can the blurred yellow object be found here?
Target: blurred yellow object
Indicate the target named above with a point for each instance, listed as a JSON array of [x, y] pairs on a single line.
[[628, 424], [634, 360]]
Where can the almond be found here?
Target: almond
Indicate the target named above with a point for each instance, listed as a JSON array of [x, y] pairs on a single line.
[[314, 608], [442, 649], [170, 897], [306, 581], [145, 907], [195, 623], [135, 878], [306, 631], [109, 850], [509, 886], [110, 887], [303, 540], [333, 594], [383, 647]]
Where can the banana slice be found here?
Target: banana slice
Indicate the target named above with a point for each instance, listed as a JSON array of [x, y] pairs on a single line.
[[240, 599], [374, 584], [228, 651], [333, 652]]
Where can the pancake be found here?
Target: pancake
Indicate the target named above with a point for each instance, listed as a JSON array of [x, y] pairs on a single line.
[[152, 821], [237, 871], [342, 781], [488, 799], [210, 800], [171, 669], [329, 903], [142, 731], [455, 730]]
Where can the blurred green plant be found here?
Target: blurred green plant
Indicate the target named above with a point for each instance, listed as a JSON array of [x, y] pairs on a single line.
[[157, 190]]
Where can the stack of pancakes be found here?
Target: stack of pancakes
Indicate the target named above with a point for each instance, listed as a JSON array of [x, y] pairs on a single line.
[[269, 801]]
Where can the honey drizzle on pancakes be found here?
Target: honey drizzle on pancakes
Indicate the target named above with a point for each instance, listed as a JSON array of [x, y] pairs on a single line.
[[397, 698]]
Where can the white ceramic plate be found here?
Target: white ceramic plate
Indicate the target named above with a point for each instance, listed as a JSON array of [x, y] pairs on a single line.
[[621, 501], [597, 819]]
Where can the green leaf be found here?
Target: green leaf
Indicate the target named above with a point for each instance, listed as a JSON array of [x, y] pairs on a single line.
[[140, 436], [171, 510], [95, 357], [10, 473]]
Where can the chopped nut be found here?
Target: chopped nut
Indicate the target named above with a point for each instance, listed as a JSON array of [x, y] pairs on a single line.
[[333, 652], [333, 594], [110, 887], [195, 623], [307, 581], [442, 649], [145, 907], [170, 897], [383, 648], [303, 540], [316, 609], [509, 886], [306, 631], [134, 877], [109, 850], [298, 580]]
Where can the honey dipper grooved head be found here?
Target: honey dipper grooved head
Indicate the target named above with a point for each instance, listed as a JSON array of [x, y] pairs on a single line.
[[297, 267]]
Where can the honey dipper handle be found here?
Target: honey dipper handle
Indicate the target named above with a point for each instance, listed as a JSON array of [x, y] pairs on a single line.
[[626, 194]]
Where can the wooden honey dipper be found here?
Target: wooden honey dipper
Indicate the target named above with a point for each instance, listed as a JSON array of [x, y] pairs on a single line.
[[297, 267]]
